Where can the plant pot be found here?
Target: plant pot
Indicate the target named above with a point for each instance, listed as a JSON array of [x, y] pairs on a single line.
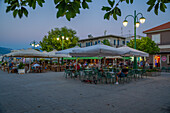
[[21, 71], [152, 74]]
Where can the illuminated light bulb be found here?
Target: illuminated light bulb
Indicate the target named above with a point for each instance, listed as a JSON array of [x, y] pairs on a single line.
[[125, 22], [142, 20]]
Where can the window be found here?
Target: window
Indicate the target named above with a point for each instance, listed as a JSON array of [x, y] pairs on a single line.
[[80, 44], [114, 42], [87, 44], [156, 38], [117, 42], [127, 42], [123, 42], [98, 41], [91, 43], [95, 42]]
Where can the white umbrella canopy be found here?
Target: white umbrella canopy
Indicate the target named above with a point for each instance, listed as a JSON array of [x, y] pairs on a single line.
[[66, 52], [28, 53], [99, 50], [53, 54], [133, 52]]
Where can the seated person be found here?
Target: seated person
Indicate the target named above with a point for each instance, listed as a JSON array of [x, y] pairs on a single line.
[[78, 66], [10, 66], [122, 73]]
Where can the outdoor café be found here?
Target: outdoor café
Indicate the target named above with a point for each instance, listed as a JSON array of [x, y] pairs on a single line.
[[86, 64]]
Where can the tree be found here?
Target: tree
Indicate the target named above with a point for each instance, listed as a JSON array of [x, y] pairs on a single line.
[[106, 42], [70, 8], [145, 44], [51, 42]]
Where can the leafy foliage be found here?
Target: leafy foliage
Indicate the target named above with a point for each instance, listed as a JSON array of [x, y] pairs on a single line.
[[70, 8], [157, 4], [145, 44], [106, 42], [19, 6], [21, 65], [50, 41]]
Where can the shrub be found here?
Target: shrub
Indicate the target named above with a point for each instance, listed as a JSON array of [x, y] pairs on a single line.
[[21, 66]]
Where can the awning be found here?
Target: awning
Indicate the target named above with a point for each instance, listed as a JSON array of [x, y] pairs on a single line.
[[127, 58], [74, 58]]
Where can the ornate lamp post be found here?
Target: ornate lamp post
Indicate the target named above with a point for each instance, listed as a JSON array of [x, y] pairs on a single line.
[[136, 24], [34, 44], [62, 39]]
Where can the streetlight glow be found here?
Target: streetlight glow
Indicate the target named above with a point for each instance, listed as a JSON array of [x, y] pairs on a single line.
[[57, 38], [32, 45], [142, 20], [62, 37], [38, 45], [66, 38], [137, 24], [125, 22]]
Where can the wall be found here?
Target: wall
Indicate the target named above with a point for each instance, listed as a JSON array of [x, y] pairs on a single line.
[[165, 37], [111, 39]]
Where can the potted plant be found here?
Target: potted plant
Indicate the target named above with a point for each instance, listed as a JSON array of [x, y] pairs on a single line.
[[152, 72], [21, 69]]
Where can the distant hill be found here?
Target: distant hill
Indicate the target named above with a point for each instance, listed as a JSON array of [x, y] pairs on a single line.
[[4, 50]]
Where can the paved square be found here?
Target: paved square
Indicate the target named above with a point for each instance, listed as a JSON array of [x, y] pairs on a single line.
[[51, 93]]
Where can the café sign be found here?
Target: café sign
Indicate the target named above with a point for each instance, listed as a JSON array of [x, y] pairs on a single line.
[[163, 58]]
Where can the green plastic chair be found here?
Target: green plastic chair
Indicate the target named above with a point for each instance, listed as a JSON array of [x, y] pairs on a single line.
[[168, 70], [67, 73], [163, 69], [111, 77], [100, 77]]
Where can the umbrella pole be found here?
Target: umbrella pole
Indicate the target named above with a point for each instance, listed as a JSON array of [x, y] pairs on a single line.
[[76, 63], [99, 62], [58, 60], [124, 60], [104, 61]]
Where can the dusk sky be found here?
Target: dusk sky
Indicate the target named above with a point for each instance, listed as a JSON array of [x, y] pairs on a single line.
[[17, 33]]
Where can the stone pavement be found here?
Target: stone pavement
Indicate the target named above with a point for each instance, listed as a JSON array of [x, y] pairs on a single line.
[[51, 93]]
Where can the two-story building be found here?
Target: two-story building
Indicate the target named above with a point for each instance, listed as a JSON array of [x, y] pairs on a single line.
[[161, 36], [114, 40]]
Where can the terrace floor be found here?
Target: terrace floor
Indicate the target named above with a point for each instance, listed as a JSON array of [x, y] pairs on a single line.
[[51, 93]]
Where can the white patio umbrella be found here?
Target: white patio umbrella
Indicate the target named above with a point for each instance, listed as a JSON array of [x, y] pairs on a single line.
[[67, 51], [99, 50], [54, 55], [133, 52], [28, 53]]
